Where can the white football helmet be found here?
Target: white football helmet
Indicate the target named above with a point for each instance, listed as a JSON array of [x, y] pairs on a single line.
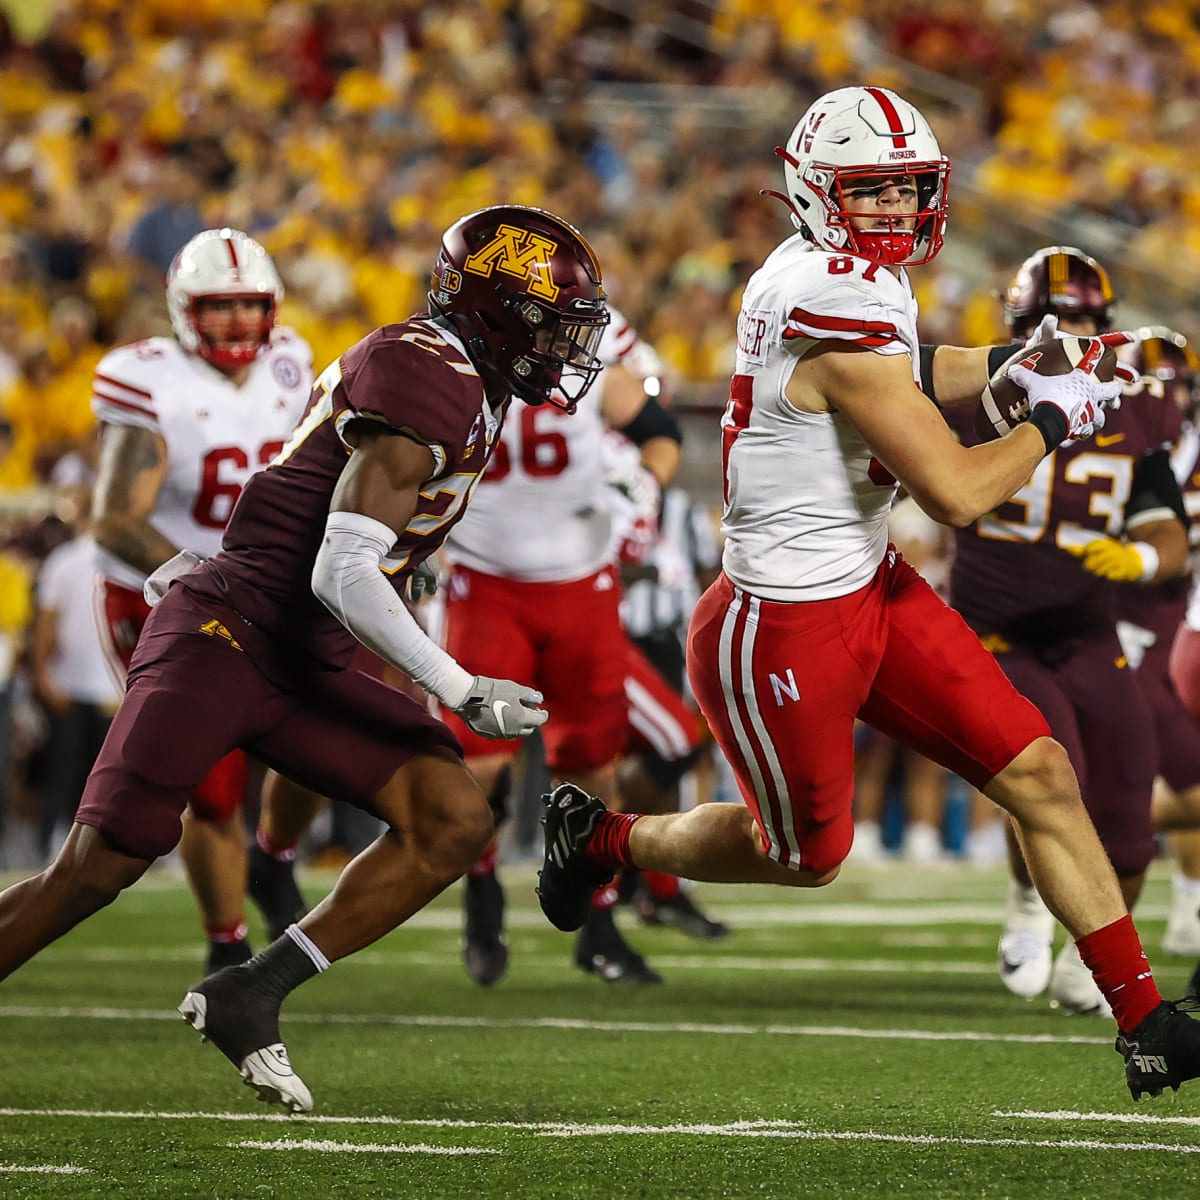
[[220, 264], [865, 133]]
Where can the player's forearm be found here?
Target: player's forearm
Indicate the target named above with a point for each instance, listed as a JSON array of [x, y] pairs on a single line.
[[959, 373], [1168, 539], [135, 542], [972, 481], [660, 456], [347, 580]]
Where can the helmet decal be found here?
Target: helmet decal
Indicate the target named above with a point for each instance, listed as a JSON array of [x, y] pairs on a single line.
[[523, 254]]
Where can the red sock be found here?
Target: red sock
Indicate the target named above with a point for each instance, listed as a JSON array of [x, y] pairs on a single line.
[[486, 863], [609, 844], [226, 935], [1115, 957], [605, 896], [660, 886], [283, 854]]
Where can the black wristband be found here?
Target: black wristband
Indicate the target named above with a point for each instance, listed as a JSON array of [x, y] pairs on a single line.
[[999, 355], [1050, 421], [925, 366]]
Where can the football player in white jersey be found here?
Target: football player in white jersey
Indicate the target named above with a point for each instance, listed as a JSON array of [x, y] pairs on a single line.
[[547, 607], [817, 621], [186, 421]]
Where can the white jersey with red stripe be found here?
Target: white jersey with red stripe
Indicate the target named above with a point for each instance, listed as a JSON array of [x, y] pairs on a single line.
[[806, 505], [541, 513], [217, 434]]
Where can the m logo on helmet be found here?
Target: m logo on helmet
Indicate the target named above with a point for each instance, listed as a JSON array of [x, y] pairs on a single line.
[[522, 253]]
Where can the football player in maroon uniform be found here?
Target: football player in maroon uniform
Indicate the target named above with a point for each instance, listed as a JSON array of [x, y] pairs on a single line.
[[1150, 619], [1036, 579], [251, 649]]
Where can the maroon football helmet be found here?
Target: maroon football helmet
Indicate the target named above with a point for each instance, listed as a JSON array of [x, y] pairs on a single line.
[[1060, 280], [523, 290], [1161, 353]]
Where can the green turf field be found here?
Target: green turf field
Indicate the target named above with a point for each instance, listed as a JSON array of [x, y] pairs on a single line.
[[851, 1042]]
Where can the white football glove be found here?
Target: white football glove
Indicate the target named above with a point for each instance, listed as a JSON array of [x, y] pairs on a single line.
[[159, 581], [500, 708], [1078, 395]]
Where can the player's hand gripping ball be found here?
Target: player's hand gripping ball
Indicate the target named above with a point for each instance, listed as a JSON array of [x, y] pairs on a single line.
[[1005, 404]]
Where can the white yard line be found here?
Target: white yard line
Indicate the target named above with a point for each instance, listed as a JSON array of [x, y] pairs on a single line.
[[744, 1129], [1121, 1118], [680, 962], [326, 1147], [576, 1023], [43, 1169]]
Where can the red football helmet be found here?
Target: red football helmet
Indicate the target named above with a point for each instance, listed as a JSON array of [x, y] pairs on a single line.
[[1163, 354], [523, 290], [1060, 280]]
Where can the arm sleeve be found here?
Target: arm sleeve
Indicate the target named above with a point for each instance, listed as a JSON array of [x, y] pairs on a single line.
[[1155, 492], [348, 581]]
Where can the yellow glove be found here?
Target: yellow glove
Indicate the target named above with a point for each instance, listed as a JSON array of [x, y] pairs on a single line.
[[1123, 562]]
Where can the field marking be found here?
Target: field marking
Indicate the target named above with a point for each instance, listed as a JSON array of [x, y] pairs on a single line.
[[420, 1021], [683, 962], [748, 1129], [1130, 1118], [45, 1169], [327, 1147]]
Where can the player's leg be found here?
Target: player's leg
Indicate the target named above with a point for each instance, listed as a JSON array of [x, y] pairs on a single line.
[[779, 685], [1024, 956], [583, 673], [1120, 748], [944, 695], [487, 626], [665, 744], [285, 814], [213, 849], [359, 741], [179, 714], [485, 947]]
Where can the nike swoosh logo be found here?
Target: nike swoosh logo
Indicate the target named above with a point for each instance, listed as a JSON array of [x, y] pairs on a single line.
[[498, 710], [1111, 440]]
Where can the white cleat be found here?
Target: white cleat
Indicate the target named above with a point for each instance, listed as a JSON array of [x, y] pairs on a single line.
[[267, 1070], [1072, 988], [1024, 957], [1024, 960], [1183, 923]]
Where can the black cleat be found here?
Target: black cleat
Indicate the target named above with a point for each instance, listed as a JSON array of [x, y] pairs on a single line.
[[1163, 1051], [568, 876], [271, 884], [227, 954], [485, 952], [227, 1010], [678, 912], [601, 950]]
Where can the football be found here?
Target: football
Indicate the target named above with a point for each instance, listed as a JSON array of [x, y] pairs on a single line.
[[1004, 405]]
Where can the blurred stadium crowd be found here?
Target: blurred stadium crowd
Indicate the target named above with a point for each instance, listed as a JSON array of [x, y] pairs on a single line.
[[346, 137]]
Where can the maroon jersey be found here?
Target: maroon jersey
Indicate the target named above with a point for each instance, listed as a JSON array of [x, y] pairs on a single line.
[[415, 378], [1161, 607], [1012, 575]]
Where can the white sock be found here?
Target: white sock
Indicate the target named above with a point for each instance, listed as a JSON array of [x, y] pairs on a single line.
[[310, 948]]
